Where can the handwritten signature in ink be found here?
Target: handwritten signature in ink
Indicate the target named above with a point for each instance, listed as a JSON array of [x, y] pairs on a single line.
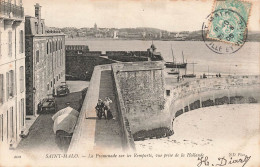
[[222, 161]]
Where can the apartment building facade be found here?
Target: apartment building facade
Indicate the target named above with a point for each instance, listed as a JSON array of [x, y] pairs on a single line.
[[45, 60], [12, 72]]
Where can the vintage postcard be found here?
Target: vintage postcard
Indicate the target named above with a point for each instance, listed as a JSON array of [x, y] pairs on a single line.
[[130, 83]]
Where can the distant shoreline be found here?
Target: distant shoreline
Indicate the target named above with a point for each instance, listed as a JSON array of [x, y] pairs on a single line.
[[118, 39], [124, 39]]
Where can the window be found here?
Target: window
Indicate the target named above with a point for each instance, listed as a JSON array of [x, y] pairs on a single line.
[[10, 43], [62, 58], [21, 42], [36, 28], [56, 60], [57, 78], [21, 79], [11, 85], [37, 56], [7, 85], [48, 87], [1, 88], [58, 63], [2, 127], [0, 43], [53, 46], [50, 47], [12, 121], [7, 123], [22, 111], [42, 29], [168, 92], [56, 46], [47, 49], [51, 83]]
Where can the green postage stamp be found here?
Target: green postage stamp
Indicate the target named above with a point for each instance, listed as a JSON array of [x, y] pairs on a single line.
[[228, 21]]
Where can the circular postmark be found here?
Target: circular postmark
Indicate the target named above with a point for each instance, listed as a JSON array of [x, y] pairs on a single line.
[[224, 31]]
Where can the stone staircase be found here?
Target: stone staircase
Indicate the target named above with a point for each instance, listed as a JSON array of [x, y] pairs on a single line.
[[108, 132]]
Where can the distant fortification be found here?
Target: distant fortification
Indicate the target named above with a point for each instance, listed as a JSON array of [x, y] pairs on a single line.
[[80, 61]]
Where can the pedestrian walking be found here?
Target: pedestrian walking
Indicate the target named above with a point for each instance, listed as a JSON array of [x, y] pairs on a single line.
[[107, 108], [100, 108]]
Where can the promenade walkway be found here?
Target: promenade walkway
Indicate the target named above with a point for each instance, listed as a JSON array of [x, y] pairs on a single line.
[[108, 131], [92, 134]]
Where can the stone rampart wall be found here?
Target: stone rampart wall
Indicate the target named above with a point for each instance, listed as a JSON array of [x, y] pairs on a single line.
[[128, 58], [216, 91], [107, 53], [82, 67], [127, 137], [82, 53], [142, 87], [127, 53]]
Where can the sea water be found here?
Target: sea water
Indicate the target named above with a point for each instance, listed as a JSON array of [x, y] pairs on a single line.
[[244, 62]]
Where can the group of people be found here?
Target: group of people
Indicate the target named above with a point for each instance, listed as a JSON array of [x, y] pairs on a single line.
[[205, 76], [218, 75], [103, 108]]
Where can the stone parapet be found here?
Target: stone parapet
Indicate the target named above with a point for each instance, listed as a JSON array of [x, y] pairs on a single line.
[[187, 96], [184, 89], [127, 137]]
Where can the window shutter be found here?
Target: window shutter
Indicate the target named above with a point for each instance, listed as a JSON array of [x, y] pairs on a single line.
[[1, 88], [21, 41], [11, 91], [10, 43], [21, 79], [7, 85]]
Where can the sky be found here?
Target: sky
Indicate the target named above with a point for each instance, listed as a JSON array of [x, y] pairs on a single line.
[[174, 15]]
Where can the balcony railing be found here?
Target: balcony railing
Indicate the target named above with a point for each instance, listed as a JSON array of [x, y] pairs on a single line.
[[6, 8]]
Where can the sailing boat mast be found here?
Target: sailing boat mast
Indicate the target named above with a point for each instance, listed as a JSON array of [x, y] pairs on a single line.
[[172, 54], [174, 61], [182, 57], [193, 67]]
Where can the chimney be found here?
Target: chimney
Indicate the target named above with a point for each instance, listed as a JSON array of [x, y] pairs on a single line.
[[38, 11], [21, 3]]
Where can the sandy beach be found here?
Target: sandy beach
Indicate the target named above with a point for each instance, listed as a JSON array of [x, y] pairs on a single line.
[[216, 129]]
